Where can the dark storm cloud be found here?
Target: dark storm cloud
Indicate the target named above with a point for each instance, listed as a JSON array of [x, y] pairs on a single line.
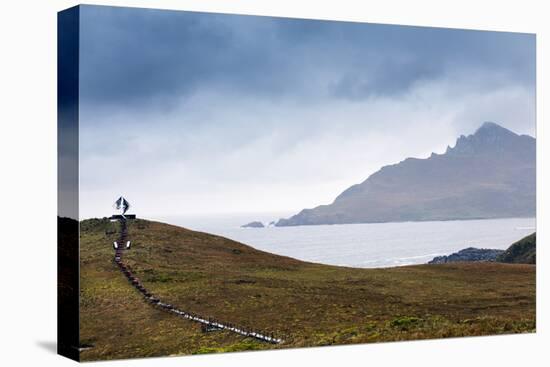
[[147, 57], [218, 113], [141, 56]]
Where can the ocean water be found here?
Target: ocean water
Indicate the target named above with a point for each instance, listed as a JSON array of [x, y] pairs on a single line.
[[364, 245]]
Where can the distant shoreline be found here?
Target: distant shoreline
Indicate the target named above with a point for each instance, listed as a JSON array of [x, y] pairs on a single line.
[[413, 221], [169, 219]]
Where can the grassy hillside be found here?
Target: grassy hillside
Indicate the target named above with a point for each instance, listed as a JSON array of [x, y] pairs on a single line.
[[304, 303], [523, 251]]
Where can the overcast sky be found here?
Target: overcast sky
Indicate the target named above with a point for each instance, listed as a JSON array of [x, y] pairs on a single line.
[[193, 113]]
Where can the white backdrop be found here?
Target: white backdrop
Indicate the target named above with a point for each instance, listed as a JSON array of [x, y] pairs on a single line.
[[28, 181]]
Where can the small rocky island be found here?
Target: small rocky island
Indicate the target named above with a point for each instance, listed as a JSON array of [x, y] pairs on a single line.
[[255, 224], [468, 254]]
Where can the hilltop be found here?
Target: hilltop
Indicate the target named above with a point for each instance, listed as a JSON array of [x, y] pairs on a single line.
[[306, 304], [488, 174], [523, 251]]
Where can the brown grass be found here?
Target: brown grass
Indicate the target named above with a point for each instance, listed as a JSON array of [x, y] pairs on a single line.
[[304, 303]]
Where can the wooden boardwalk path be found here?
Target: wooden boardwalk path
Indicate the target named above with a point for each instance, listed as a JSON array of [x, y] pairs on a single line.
[[207, 322]]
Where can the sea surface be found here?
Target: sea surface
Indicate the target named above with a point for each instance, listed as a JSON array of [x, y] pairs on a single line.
[[364, 245]]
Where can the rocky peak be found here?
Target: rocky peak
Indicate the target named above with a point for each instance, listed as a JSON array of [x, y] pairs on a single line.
[[489, 137], [490, 129]]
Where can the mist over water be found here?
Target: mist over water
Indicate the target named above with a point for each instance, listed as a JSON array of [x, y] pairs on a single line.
[[364, 245]]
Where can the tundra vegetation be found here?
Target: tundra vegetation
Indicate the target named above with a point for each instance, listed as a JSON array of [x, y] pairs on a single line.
[[306, 304]]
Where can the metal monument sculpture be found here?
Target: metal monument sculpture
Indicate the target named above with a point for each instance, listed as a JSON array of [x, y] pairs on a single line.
[[123, 205]]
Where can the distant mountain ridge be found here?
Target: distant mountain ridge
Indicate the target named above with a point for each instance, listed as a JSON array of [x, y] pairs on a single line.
[[488, 174]]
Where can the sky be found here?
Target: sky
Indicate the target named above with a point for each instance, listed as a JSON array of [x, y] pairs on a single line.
[[190, 113]]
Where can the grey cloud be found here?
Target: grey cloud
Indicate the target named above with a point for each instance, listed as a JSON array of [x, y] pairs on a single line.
[[144, 57], [202, 110]]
